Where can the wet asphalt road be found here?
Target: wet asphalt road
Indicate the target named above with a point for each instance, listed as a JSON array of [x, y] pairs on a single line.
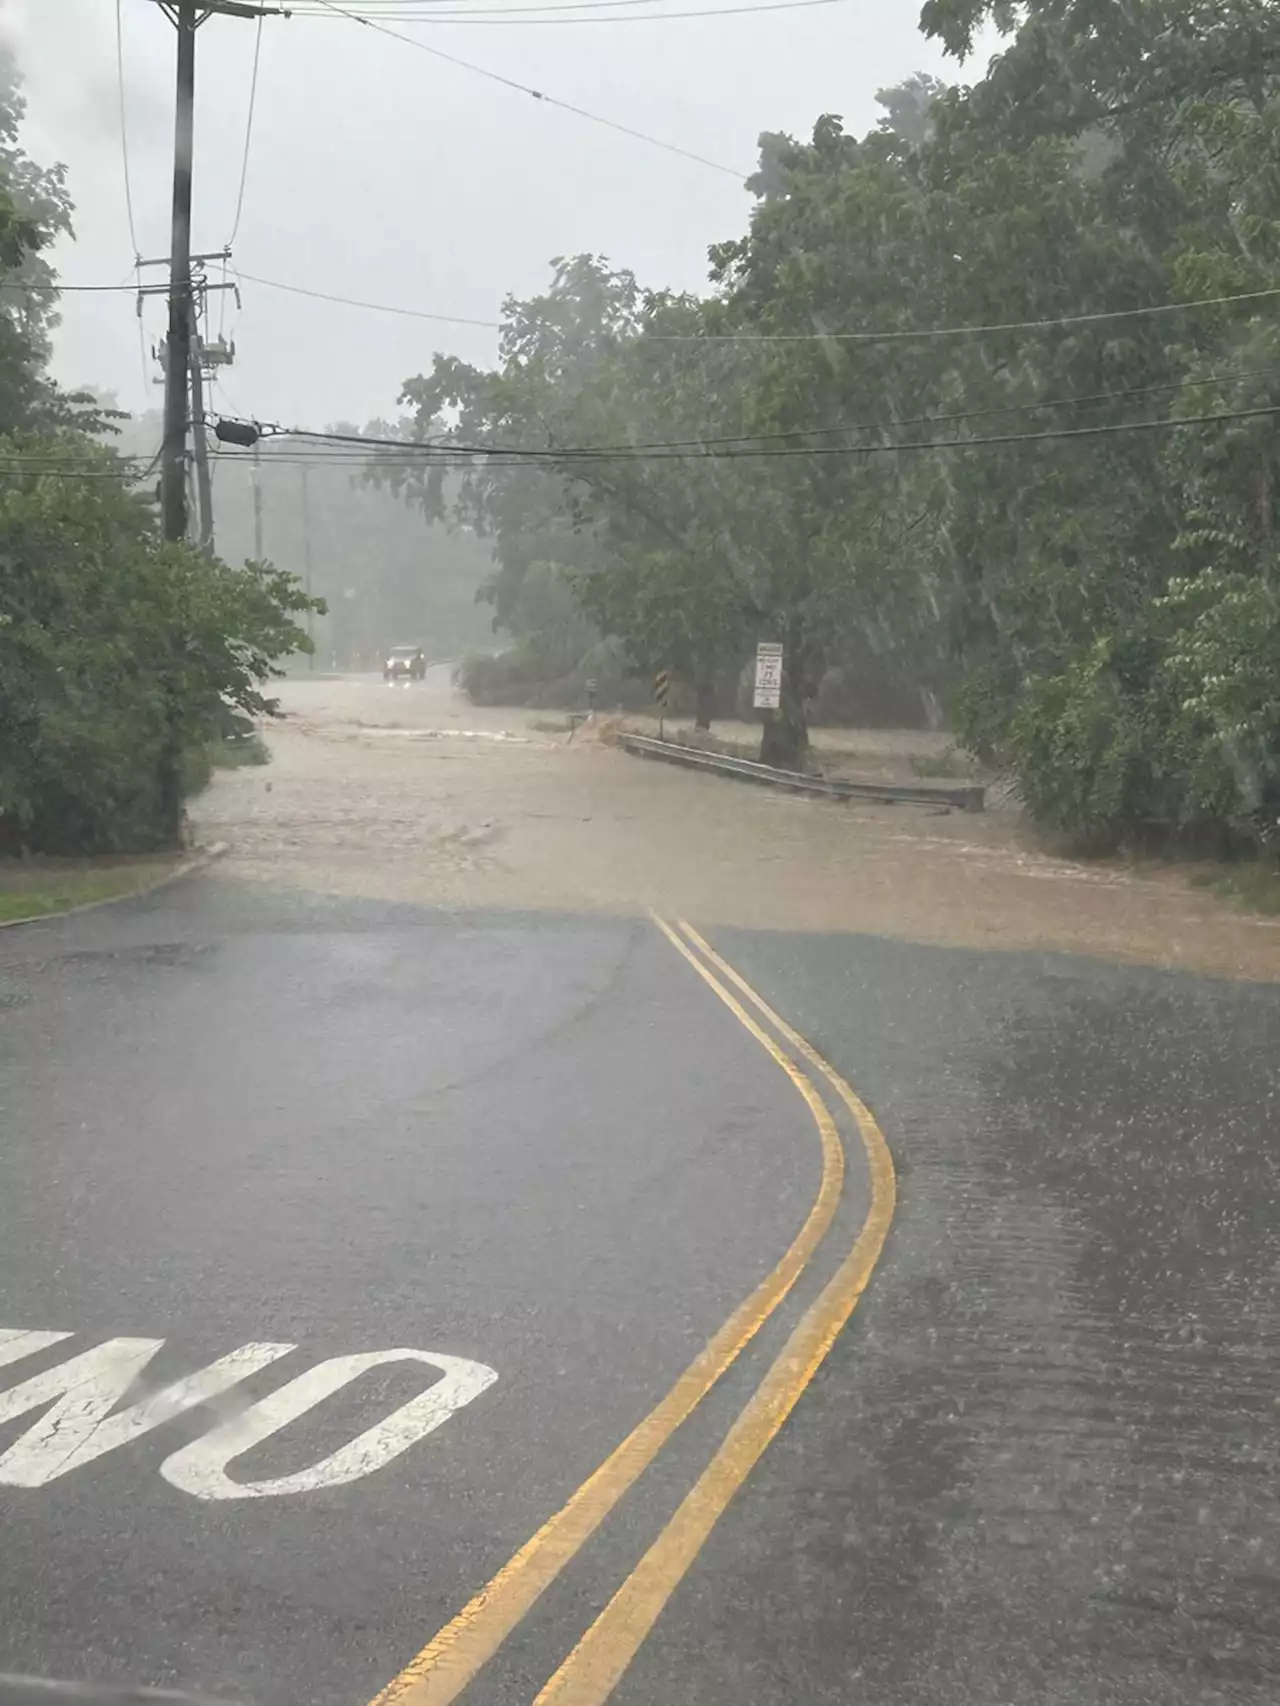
[[1039, 1467], [1042, 1469]]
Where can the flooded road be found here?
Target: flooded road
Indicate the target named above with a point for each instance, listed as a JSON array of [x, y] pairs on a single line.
[[411, 794], [407, 1243]]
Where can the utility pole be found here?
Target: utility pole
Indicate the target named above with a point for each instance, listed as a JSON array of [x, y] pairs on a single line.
[[173, 490], [186, 16], [257, 500], [306, 560], [204, 485]]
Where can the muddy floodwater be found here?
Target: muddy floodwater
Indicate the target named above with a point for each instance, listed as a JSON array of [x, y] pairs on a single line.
[[412, 794]]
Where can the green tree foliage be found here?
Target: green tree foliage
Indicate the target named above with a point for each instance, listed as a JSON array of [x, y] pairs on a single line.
[[550, 348], [119, 654], [1083, 638], [35, 208], [1097, 603], [385, 579]]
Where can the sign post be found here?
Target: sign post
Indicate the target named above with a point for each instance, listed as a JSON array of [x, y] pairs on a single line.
[[661, 693]]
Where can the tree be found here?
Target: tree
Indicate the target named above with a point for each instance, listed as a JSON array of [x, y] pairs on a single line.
[[909, 418], [119, 653], [824, 523], [35, 208], [908, 108], [1158, 124], [525, 408]]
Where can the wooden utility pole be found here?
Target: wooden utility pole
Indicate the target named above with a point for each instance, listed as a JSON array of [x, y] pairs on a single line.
[[177, 366], [186, 16], [306, 560], [204, 486], [257, 500]]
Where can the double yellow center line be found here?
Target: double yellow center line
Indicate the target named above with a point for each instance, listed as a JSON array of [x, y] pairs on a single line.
[[447, 1664]]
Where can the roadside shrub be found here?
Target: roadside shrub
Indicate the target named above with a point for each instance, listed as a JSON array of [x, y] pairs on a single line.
[[1077, 750], [121, 656], [1169, 733], [536, 673]]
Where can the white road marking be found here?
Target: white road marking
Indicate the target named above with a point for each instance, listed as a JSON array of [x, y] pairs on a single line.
[[80, 1426], [200, 1468], [16, 1342]]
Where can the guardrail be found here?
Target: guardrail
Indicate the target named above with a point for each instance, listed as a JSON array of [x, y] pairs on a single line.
[[969, 797]]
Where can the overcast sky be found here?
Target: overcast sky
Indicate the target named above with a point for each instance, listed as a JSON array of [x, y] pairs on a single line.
[[380, 172]]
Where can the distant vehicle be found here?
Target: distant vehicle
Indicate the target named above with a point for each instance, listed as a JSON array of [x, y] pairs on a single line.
[[404, 663]]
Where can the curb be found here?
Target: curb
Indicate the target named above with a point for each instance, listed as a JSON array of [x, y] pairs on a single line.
[[199, 860]]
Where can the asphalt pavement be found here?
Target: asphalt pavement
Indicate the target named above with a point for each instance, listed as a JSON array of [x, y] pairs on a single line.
[[1039, 1466], [1041, 1469]]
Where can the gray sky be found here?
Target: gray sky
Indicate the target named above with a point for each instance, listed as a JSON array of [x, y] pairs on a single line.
[[379, 172]]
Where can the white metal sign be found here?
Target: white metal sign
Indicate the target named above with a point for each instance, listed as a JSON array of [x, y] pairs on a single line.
[[78, 1420], [768, 694]]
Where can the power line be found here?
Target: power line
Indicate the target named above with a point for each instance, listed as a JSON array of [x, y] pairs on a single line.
[[727, 337], [124, 129], [591, 9], [922, 332], [429, 11], [27, 286], [78, 454], [70, 471], [408, 8], [248, 130], [1084, 400], [805, 337], [537, 94], [518, 456], [372, 307], [1087, 399], [22, 284], [710, 440], [959, 331], [52, 474]]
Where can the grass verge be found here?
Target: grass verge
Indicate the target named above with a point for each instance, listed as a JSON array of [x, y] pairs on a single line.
[[1253, 885], [38, 888]]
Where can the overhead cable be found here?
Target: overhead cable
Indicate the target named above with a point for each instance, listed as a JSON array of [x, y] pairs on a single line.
[[924, 332], [697, 444], [514, 456], [372, 307], [1038, 406], [124, 130], [536, 94], [248, 131], [920, 333], [588, 12]]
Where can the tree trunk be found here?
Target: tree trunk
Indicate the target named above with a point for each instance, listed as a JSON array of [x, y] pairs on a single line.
[[169, 779], [784, 740], [703, 705]]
